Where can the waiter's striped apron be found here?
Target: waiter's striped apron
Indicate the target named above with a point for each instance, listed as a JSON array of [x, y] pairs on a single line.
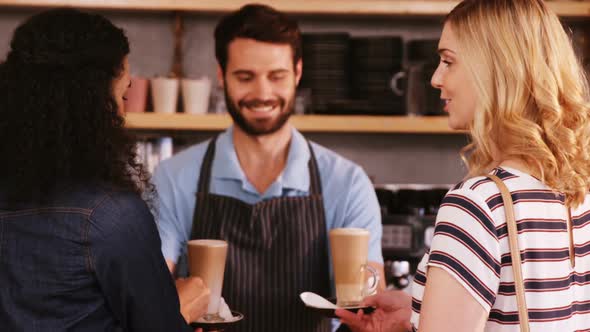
[[277, 249]]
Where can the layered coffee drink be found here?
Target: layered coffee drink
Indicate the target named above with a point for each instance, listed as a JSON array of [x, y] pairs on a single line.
[[349, 249], [207, 261]]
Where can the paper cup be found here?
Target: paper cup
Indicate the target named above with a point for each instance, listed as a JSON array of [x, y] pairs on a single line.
[[136, 95], [164, 94], [195, 94]]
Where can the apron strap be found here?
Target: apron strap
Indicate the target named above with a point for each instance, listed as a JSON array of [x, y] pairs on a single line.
[[315, 184], [205, 176]]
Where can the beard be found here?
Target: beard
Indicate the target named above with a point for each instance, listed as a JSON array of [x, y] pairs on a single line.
[[260, 127]]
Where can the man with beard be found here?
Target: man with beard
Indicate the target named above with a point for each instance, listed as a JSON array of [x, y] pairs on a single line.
[[261, 186]]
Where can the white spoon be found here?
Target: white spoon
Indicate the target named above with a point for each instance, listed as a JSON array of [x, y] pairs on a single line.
[[314, 300]]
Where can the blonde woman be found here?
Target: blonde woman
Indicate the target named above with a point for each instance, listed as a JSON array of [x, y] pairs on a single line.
[[509, 76]]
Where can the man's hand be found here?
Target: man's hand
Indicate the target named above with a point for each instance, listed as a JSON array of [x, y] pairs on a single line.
[[393, 311], [194, 298]]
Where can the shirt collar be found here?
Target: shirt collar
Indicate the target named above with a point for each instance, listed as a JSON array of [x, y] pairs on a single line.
[[295, 175]]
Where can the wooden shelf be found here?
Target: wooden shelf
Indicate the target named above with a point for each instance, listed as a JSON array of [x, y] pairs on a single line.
[[326, 7], [305, 123]]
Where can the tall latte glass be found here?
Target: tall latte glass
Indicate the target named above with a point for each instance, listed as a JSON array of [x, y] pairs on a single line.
[[207, 261], [349, 249]]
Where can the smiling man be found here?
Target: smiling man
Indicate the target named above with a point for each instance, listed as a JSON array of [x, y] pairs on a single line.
[[261, 186]]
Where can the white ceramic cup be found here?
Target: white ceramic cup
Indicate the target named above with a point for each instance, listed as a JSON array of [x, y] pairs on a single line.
[[164, 94], [195, 95]]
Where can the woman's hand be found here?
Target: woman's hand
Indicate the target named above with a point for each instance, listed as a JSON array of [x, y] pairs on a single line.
[[393, 311], [194, 298]]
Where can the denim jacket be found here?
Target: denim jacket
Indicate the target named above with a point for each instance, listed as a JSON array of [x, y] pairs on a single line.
[[89, 260]]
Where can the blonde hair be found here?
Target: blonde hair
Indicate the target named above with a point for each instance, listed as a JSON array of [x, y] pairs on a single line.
[[533, 94]]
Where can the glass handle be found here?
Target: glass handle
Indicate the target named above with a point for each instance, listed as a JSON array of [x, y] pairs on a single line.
[[369, 290]]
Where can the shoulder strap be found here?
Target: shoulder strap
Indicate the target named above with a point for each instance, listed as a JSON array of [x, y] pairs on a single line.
[[315, 184], [205, 172], [514, 253]]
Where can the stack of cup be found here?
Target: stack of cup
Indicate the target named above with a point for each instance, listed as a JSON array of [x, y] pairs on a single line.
[[195, 93], [164, 94], [136, 95]]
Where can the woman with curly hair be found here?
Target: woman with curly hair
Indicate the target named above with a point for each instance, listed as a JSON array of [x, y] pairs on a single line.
[[79, 249], [510, 77]]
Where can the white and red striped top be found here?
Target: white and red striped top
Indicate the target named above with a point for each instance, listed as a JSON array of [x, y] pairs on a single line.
[[471, 244]]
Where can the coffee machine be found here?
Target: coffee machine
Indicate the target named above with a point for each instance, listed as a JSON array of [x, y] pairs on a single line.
[[408, 215]]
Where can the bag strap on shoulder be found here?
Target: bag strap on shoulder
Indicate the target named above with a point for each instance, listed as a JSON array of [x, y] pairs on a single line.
[[514, 253]]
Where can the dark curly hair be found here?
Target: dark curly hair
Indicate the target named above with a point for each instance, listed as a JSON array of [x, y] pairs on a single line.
[[59, 121]]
